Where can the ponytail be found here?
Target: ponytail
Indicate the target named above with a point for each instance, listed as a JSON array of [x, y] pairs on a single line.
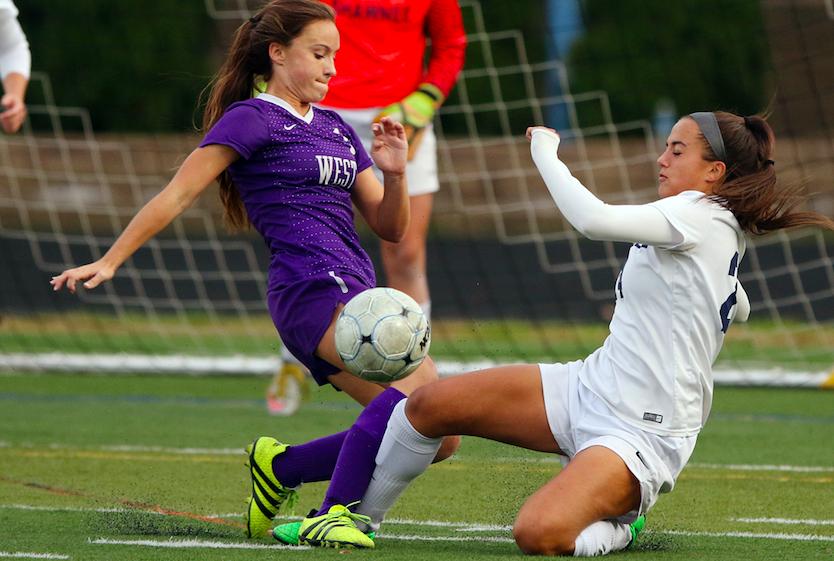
[[279, 21], [750, 189]]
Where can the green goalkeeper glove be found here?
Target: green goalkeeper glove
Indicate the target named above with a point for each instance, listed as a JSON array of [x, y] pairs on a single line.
[[417, 109]]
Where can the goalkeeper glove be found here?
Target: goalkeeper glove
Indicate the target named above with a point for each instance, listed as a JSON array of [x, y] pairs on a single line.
[[416, 110]]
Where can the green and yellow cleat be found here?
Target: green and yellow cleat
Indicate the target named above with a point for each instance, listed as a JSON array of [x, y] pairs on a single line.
[[337, 529], [288, 533], [636, 527], [267, 492]]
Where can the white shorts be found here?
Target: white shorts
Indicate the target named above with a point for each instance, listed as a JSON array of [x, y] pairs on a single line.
[[579, 419], [422, 169]]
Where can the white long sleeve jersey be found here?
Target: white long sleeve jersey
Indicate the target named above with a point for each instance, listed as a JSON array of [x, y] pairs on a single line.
[[14, 49], [675, 297]]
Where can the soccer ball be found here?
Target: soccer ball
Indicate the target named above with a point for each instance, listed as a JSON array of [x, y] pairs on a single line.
[[382, 335]]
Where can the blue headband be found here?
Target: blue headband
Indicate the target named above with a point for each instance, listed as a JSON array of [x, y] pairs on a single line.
[[708, 123]]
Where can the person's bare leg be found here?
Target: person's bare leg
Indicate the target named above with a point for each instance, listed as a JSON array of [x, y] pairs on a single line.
[[404, 263], [595, 485], [504, 404]]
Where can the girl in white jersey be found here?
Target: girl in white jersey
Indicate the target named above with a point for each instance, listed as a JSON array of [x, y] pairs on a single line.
[[627, 417]]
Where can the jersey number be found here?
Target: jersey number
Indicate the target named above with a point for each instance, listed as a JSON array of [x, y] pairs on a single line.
[[724, 311], [731, 300]]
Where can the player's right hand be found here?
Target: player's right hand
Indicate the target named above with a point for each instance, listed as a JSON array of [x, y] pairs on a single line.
[[91, 275]]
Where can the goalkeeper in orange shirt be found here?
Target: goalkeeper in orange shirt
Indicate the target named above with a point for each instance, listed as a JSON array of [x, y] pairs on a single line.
[[381, 71]]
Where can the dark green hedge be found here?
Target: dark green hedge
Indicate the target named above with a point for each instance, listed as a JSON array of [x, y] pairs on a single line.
[[140, 64], [135, 64], [701, 54]]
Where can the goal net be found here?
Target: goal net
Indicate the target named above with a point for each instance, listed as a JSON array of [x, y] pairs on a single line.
[[510, 279]]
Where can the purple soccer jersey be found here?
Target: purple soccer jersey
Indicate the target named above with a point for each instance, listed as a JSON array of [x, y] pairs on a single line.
[[295, 175]]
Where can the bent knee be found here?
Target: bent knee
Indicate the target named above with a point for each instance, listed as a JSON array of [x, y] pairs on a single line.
[[426, 413], [534, 537], [420, 406], [403, 257]]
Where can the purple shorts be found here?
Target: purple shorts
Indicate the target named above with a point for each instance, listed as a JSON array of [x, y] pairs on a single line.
[[302, 313]]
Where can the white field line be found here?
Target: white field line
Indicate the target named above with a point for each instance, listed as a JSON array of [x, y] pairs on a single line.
[[65, 508], [497, 460], [764, 467], [751, 535], [748, 535], [458, 526], [183, 451], [123, 363], [26, 555], [409, 538], [195, 544], [787, 521]]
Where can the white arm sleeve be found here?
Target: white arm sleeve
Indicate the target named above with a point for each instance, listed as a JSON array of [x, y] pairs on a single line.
[[590, 216], [14, 49]]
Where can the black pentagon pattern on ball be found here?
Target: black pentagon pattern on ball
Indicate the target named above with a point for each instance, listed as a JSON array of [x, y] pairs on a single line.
[[382, 335]]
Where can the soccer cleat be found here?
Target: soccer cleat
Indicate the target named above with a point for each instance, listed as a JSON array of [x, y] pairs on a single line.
[[337, 529], [267, 492], [288, 533], [287, 389], [636, 527]]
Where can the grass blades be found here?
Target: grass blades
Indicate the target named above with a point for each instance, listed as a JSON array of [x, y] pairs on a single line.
[[151, 467]]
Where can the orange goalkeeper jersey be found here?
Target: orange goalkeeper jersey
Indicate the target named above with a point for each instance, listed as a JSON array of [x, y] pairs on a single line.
[[382, 47]]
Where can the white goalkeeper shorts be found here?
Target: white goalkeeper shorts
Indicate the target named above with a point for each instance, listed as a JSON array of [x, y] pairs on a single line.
[[422, 169], [579, 419]]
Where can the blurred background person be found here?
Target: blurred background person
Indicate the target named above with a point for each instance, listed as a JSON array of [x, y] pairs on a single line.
[[15, 65], [381, 71]]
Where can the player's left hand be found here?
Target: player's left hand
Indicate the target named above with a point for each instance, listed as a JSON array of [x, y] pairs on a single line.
[[417, 109], [13, 113], [390, 146], [551, 133]]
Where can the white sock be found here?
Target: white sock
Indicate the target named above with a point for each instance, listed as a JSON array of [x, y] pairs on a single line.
[[287, 356], [403, 455], [601, 538], [426, 307]]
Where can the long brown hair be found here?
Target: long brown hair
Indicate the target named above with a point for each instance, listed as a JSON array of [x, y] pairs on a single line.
[[279, 21], [749, 188]]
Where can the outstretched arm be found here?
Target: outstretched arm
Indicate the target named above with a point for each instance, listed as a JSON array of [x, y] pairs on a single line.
[[590, 216], [201, 167]]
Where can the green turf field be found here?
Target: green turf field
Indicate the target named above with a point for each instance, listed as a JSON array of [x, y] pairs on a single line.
[[133, 467]]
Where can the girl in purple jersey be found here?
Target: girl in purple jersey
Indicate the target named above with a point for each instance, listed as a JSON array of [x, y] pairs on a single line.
[[294, 173]]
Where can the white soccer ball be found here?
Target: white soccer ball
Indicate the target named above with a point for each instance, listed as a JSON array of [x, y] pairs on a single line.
[[382, 335]]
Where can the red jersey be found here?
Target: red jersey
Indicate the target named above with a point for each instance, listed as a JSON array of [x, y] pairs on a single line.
[[382, 46]]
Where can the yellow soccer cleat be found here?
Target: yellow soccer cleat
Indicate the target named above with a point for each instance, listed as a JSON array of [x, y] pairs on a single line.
[[267, 492], [337, 529]]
